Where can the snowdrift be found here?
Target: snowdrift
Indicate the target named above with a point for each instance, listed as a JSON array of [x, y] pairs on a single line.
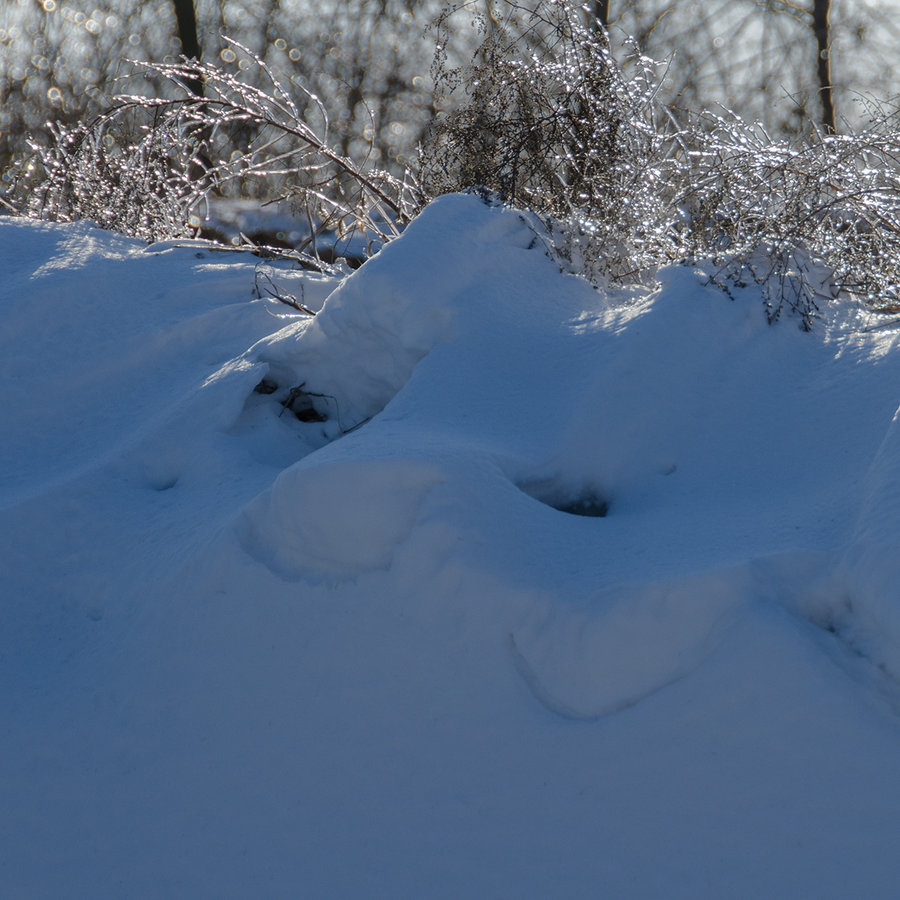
[[477, 583]]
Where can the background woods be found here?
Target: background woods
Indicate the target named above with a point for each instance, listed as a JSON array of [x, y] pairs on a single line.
[[787, 64]]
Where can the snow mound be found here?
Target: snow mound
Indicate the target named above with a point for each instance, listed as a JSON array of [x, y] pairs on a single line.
[[118, 355], [680, 437], [630, 643], [363, 346], [337, 518]]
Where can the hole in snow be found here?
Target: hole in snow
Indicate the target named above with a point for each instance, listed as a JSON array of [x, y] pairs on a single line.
[[584, 502], [301, 404], [586, 505], [296, 400], [266, 386]]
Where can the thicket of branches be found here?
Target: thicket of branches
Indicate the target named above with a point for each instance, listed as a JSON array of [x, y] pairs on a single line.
[[808, 221], [149, 166], [544, 114], [548, 118]]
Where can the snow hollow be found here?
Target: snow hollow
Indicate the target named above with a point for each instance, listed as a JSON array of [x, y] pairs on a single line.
[[479, 583]]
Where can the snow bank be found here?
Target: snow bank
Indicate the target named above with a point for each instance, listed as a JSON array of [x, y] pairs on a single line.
[[555, 592], [105, 341]]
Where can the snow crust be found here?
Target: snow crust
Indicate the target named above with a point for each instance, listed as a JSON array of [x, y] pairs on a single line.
[[244, 654]]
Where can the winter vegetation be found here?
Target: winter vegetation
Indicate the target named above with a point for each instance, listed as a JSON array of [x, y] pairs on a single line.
[[542, 111], [454, 454]]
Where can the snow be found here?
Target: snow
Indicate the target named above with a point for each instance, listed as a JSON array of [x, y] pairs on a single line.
[[243, 654]]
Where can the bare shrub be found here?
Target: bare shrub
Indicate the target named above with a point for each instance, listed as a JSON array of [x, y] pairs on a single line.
[[148, 165], [545, 116], [779, 213], [63, 60]]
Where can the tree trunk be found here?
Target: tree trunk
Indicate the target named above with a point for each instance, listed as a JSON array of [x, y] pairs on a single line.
[[822, 29], [187, 34]]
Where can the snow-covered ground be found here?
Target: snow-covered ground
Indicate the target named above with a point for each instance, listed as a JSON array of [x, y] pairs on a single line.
[[374, 656]]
